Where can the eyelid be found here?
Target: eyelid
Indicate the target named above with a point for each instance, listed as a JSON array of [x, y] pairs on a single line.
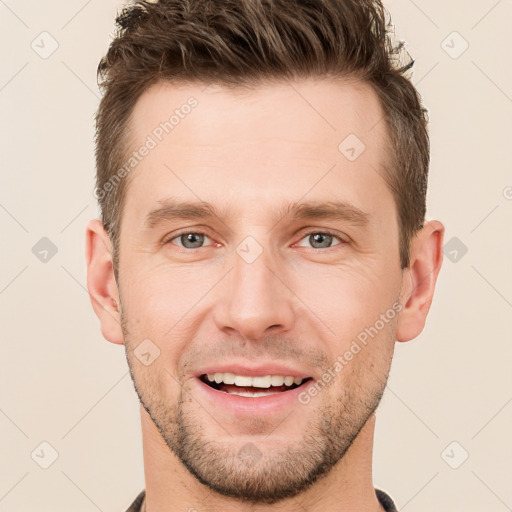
[[168, 238], [344, 239]]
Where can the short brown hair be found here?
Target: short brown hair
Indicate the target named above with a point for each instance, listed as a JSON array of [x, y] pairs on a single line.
[[239, 43]]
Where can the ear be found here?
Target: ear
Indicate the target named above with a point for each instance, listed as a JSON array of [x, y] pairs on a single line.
[[101, 281], [419, 280]]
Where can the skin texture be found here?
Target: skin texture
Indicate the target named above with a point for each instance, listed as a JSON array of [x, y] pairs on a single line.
[[300, 303]]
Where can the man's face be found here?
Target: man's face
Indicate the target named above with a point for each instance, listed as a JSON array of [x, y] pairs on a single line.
[[260, 290]]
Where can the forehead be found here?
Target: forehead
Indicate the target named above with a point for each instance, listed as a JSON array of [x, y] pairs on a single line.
[[284, 140], [304, 111]]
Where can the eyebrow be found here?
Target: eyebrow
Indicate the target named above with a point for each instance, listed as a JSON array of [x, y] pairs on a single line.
[[172, 209]]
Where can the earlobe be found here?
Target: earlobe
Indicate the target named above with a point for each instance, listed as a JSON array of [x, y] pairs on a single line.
[[420, 279], [101, 283]]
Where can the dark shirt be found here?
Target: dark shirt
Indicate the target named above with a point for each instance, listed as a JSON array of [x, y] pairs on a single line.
[[386, 502]]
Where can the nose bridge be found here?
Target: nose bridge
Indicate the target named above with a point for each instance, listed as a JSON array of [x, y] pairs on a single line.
[[254, 298]]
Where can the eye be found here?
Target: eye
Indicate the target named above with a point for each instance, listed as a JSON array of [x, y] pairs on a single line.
[[190, 240], [321, 239]]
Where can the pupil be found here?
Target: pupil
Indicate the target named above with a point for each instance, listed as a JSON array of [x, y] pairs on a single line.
[[321, 237], [189, 238]]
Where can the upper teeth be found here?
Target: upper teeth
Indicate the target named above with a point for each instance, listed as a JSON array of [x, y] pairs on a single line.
[[257, 382]]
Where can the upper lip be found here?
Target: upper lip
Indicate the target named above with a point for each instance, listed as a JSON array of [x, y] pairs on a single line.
[[256, 370]]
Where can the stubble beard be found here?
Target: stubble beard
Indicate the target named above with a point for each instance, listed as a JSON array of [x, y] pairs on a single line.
[[251, 471]]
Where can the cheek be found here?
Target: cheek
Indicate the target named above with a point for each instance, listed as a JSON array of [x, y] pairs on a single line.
[[345, 299], [156, 387], [157, 298], [162, 304]]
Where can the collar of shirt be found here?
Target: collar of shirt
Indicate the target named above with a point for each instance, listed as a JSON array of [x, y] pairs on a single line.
[[139, 505]]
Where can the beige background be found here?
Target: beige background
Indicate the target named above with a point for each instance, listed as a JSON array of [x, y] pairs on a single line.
[[63, 384]]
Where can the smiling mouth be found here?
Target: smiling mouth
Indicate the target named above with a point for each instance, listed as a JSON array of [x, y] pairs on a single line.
[[252, 386]]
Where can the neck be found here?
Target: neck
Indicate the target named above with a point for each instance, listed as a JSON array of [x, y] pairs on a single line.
[[170, 486]]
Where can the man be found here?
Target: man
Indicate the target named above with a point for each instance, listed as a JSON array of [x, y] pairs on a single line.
[[261, 173]]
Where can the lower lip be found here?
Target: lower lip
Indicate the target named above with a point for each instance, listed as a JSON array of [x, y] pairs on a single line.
[[252, 405]]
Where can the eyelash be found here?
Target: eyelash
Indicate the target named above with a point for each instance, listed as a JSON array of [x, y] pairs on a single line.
[[309, 233], [323, 232]]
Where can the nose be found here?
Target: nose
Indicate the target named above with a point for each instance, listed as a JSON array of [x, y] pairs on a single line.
[[254, 300]]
